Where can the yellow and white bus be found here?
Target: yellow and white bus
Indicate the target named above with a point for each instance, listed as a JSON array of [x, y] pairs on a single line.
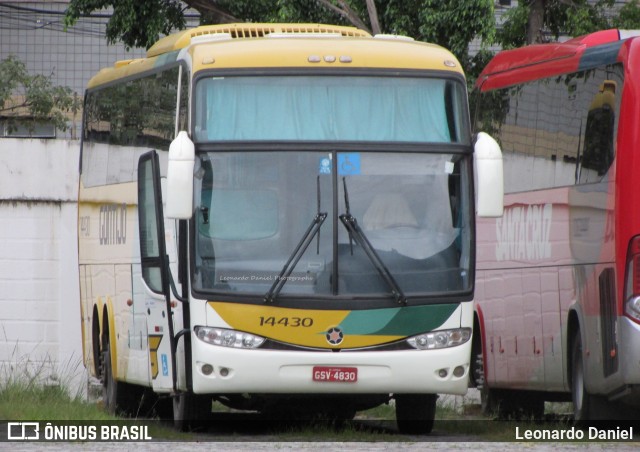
[[276, 216]]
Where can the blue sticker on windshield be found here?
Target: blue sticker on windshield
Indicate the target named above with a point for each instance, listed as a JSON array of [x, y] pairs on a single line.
[[349, 164], [325, 165]]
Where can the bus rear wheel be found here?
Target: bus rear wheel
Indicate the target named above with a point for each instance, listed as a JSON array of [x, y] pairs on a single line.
[[118, 397], [415, 413]]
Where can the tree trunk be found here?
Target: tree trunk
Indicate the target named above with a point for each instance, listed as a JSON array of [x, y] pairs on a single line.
[[373, 17], [344, 10], [535, 24]]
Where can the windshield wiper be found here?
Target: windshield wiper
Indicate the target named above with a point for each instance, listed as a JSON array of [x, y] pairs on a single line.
[[355, 232], [298, 252]]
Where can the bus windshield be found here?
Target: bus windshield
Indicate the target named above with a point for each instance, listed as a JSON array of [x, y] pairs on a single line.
[[257, 211], [330, 108]]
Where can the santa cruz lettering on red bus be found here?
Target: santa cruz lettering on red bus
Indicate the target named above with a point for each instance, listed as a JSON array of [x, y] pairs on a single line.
[[524, 233]]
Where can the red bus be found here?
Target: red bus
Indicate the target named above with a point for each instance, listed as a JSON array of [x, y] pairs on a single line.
[[558, 278]]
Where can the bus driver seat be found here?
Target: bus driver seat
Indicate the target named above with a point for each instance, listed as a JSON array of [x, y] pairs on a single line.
[[388, 210], [391, 225]]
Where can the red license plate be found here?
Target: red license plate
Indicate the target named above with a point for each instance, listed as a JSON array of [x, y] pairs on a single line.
[[335, 374]]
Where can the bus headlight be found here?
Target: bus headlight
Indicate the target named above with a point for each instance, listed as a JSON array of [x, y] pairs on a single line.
[[440, 339], [228, 338]]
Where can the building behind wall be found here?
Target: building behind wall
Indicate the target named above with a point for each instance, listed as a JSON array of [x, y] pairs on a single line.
[[34, 32]]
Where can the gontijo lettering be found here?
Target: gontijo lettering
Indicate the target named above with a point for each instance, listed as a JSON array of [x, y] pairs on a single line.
[[113, 224]]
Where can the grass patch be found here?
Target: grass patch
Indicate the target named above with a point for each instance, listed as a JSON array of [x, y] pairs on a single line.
[[20, 401], [39, 391]]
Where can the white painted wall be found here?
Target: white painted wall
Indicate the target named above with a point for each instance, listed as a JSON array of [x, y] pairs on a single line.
[[40, 334]]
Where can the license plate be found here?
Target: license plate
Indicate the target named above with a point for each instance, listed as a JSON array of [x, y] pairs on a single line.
[[335, 374]]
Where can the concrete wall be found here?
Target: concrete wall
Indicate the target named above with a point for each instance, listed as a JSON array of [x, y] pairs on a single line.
[[40, 333]]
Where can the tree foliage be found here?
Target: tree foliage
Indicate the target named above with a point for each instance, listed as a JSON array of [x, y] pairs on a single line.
[[537, 21], [629, 17], [454, 24], [135, 23], [450, 23], [26, 100]]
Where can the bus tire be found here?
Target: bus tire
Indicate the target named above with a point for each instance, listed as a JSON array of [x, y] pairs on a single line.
[[119, 398], [489, 401], [415, 413], [579, 394], [161, 407], [191, 412]]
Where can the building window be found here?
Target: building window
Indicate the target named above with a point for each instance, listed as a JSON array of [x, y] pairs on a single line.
[[27, 129]]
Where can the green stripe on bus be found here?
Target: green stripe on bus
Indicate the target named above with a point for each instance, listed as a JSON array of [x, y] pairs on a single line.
[[405, 321]]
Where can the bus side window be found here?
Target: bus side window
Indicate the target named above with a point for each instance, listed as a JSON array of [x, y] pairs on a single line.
[[151, 225], [597, 154]]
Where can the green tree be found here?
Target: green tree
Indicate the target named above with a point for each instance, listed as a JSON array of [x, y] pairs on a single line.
[[26, 100], [450, 23], [537, 21], [629, 17], [135, 23]]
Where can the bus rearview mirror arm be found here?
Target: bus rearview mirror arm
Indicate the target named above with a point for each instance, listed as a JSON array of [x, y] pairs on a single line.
[[490, 178], [182, 156]]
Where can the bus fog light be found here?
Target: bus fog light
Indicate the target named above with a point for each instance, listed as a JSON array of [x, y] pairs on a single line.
[[224, 372], [458, 371], [207, 369], [440, 339], [442, 373]]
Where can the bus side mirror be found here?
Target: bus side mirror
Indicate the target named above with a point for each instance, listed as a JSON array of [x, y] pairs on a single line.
[[490, 179], [182, 156]]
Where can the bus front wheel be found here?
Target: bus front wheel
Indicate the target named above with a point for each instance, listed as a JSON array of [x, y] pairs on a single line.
[[191, 411], [415, 413]]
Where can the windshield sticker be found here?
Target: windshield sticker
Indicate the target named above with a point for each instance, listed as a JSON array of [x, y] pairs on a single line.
[[325, 165], [449, 167], [349, 164]]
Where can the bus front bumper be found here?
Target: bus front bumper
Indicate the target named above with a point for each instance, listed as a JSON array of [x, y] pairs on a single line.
[[221, 370]]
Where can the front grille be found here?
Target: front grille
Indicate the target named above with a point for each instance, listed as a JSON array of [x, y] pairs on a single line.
[[391, 346]]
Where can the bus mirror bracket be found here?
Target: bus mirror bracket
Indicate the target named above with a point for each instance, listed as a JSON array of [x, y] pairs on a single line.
[[180, 178], [490, 178]]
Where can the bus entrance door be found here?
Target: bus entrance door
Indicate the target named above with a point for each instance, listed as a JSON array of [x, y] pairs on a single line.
[[154, 263]]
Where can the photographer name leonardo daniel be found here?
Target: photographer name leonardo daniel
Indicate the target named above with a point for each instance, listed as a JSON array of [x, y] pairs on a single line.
[[573, 433]]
